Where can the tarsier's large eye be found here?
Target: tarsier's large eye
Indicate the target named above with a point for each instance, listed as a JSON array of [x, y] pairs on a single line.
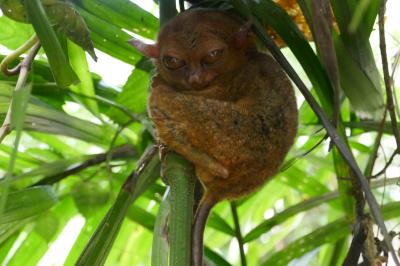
[[213, 56], [171, 62]]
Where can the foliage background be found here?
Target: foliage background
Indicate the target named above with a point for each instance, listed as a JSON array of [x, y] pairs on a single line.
[[296, 219]]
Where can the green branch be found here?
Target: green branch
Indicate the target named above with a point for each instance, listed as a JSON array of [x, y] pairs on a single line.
[[238, 233], [181, 179]]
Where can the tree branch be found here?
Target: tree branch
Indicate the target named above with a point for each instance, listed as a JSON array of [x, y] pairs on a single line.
[[357, 243], [322, 34], [388, 83], [238, 233], [23, 69], [124, 151], [181, 179], [14, 55]]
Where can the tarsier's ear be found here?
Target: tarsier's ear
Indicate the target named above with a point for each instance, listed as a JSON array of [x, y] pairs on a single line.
[[244, 35], [148, 50]]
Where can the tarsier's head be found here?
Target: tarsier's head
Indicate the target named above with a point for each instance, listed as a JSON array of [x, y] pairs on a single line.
[[198, 48]]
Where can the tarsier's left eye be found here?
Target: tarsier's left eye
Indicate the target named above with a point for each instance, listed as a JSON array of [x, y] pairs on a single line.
[[172, 62], [213, 56]]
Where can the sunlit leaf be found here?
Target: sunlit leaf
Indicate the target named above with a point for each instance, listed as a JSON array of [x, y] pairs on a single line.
[[25, 203]]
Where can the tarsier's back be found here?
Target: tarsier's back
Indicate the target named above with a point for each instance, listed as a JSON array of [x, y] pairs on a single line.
[[220, 103]]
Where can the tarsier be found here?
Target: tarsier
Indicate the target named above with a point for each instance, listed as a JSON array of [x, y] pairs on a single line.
[[224, 106]]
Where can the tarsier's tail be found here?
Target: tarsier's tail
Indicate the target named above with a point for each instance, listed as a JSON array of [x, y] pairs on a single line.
[[199, 225]]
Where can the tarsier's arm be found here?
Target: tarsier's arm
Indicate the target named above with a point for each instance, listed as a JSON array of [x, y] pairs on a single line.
[[167, 111], [181, 117]]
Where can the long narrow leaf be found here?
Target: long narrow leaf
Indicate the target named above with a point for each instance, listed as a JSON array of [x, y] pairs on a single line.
[[159, 251], [305, 205], [99, 246], [63, 73], [79, 63], [124, 14], [331, 232], [28, 202]]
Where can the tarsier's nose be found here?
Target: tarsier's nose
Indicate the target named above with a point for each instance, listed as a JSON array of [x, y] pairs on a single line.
[[195, 79]]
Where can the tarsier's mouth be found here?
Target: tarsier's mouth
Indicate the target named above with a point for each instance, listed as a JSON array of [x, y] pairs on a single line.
[[199, 89], [192, 89]]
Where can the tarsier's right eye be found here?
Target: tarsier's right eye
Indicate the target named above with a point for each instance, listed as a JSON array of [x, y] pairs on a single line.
[[171, 62]]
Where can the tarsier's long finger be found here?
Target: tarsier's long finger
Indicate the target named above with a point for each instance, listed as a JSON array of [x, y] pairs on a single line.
[[216, 168], [163, 149]]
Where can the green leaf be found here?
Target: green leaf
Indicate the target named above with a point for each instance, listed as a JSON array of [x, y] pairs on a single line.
[[160, 246], [96, 251], [215, 257], [6, 246], [40, 117], [141, 217], [134, 95], [19, 105], [123, 14], [25, 255], [77, 58], [47, 226], [66, 19], [89, 197], [62, 16], [13, 34], [28, 160], [28, 202], [9, 229], [84, 236], [329, 233], [56, 143], [14, 9], [355, 56], [62, 71], [217, 222], [371, 102], [110, 38], [286, 214]]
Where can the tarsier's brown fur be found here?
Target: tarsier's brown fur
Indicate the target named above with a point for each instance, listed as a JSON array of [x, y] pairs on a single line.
[[234, 119]]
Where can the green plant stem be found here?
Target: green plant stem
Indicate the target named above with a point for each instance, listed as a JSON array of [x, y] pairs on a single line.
[[159, 250], [181, 179], [181, 5], [167, 10], [374, 154], [238, 233], [15, 54], [5, 128]]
